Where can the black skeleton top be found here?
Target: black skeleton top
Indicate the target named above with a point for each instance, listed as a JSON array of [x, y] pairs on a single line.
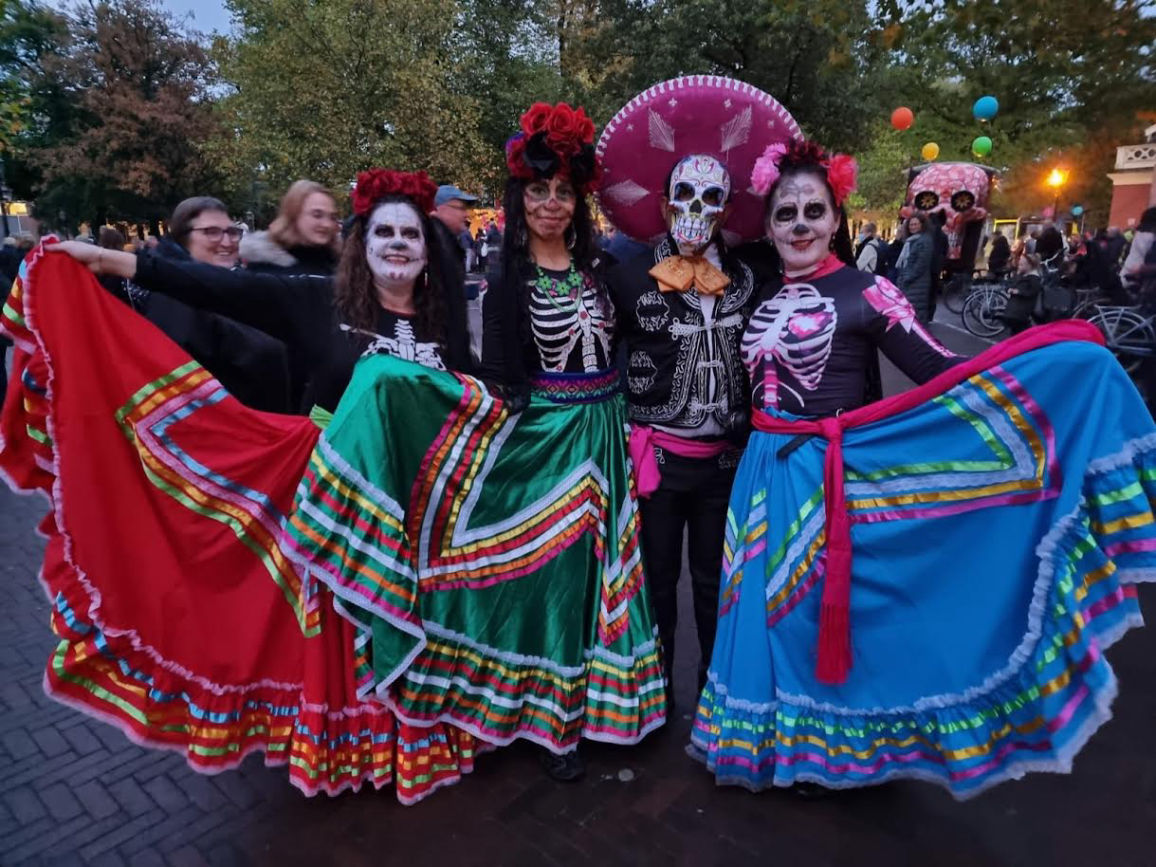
[[562, 322], [684, 370], [572, 321], [395, 336], [299, 310], [809, 341]]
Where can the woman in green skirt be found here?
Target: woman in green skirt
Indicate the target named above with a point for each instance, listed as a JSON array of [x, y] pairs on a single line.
[[485, 539]]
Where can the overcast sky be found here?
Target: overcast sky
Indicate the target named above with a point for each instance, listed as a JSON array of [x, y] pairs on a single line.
[[206, 16]]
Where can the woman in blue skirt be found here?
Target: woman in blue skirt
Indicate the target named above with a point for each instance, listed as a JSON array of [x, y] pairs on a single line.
[[924, 586]]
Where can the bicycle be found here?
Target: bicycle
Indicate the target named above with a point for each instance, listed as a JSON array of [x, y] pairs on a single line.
[[983, 310], [1129, 332], [959, 286]]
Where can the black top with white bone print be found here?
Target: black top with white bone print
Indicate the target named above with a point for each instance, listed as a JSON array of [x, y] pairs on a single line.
[[809, 341], [560, 331]]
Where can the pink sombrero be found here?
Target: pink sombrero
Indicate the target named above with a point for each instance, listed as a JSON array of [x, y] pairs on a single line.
[[695, 114]]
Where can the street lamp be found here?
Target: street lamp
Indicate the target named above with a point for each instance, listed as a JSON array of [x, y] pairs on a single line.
[[1056, 179]]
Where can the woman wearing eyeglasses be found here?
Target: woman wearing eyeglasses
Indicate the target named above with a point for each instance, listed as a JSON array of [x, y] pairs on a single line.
[[203, 231], [252, 365]]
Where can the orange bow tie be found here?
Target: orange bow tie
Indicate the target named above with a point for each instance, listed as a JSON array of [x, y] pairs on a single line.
[[679, 273]]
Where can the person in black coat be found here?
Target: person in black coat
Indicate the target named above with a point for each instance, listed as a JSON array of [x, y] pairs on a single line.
[[1050, 246], [997, 261], [302, 239], [251, 365], [1024, 294], [939, 248], [389, 294], [913, 270]]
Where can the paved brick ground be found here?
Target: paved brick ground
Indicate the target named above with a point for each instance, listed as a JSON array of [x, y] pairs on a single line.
[[74, 791]]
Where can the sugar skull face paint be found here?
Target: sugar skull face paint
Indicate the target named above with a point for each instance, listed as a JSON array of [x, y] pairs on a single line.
[[395, 245], [801, 222], [699, 189]]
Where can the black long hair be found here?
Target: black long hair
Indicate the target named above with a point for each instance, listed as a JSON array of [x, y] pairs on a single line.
[[515, 272]]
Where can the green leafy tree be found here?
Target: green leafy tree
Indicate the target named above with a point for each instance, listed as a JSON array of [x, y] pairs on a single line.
[[818, 58], [123, 107], [325, 90], [1070, 76], [29, 103], [506, 58]]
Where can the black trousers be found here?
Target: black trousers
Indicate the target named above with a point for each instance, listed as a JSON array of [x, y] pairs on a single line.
[[694, 504]]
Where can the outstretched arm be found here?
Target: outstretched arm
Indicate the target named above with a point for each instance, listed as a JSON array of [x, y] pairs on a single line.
[[902, 337], [277, 304]]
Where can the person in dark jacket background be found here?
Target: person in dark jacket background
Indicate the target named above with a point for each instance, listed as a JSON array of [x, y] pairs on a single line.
[[938, 258], [1000, 256], [451, 217], [1050, 247], [914, 266], [251, 365], [302, 239]]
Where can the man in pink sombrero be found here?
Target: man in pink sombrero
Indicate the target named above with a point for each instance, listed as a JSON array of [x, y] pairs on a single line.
[[676, 160]]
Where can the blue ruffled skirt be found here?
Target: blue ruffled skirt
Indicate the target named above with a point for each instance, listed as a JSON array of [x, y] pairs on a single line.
[[997, 532]]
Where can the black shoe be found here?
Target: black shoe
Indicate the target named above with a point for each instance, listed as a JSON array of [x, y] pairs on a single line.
[[565, 768]]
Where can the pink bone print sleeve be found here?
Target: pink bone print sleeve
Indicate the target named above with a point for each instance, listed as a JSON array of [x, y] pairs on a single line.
[[902, 337]]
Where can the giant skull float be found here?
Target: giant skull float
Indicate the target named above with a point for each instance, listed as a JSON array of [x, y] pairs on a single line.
[[959, 191]]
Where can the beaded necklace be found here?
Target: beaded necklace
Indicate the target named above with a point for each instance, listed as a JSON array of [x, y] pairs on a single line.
[[568, 288]]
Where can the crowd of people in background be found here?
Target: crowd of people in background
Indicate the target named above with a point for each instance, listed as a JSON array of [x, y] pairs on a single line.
[[1113, 262]]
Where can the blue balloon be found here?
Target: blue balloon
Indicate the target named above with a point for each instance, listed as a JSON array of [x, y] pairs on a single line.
[[985, 108], [1077, 210]]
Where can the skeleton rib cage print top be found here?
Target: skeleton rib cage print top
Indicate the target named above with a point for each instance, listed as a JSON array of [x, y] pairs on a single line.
[[810, 339], [572, 321], [551, 322]]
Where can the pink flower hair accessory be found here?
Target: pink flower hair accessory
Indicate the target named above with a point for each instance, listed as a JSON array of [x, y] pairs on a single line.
[[766, 170], [842, 171]]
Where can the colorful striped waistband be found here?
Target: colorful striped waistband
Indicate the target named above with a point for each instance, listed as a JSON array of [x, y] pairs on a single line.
[[575, 387]]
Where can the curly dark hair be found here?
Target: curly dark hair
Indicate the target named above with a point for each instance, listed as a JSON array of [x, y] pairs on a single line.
[[806, 162], [354, 295]]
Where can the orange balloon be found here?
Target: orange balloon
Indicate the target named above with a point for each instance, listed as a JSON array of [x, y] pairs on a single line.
[[902, 118]]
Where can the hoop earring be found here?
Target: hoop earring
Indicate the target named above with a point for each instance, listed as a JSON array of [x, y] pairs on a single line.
[[573, 239]]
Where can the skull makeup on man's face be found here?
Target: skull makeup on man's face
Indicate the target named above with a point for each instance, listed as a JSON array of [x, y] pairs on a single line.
[[801, 221], [699, 189], [395, 245]]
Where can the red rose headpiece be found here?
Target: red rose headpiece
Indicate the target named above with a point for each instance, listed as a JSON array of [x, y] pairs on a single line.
[[555, 139], [375, 184], [841, 170]]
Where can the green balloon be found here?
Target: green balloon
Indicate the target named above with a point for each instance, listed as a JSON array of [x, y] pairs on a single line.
[[981, 147]]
